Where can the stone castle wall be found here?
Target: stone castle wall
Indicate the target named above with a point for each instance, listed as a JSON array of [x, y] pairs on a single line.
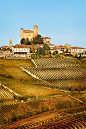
[[28, 33]]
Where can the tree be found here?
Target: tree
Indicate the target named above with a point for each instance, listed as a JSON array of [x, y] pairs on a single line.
[[80, 57], [4, 48], [27, 42], [54, 53], [46, 47], [8, 48], [23, 41], [13, 114], [49, 52], [8, 117], [33, 56], [40, 51], [66, 51], [72, 86], [37, 40], [32, 50], [23, 109], [46, 52], [76, 55]]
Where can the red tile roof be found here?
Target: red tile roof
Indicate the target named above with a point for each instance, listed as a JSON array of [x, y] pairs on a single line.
[[35, 25], [5, 50], [51, 44], [4, 46], [56, 47], [77, 48], [66, 44], [28, 46], [46, 37]]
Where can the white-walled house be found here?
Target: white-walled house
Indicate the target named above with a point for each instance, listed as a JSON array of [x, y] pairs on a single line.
[[21, 49], [51, 46], [46, 40], [25, 49], [77, 50]]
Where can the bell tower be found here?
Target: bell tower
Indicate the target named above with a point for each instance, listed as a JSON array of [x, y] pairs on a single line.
[[35, 29], [10, 43]]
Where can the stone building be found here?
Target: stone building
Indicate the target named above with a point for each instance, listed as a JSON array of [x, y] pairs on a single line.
[[28, 33], [77, 50]]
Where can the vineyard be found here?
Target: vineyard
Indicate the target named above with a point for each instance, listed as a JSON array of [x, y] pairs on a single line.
[[59, 72], [52, 120], [28, 88]]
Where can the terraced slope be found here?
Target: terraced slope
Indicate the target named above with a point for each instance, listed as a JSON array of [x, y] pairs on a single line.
[[5, 94], [60, 72], [51, 120], [55, 62]]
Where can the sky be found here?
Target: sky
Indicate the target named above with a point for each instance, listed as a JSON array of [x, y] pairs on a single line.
[[64, 21]]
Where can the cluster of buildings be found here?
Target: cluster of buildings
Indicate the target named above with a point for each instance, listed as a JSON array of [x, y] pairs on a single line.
[[24, 50]]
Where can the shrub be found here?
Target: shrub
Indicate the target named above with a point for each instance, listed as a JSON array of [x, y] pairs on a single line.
[[33, 56], [57, 55]]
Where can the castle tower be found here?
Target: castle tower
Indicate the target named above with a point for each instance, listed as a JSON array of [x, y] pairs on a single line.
[[35, 29], [10, 43], [21, 33]]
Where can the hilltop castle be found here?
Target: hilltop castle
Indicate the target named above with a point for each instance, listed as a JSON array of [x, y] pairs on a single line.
[[28, 33]]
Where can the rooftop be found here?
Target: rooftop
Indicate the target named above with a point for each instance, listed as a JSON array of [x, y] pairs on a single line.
[[46, 38], [77, 47]]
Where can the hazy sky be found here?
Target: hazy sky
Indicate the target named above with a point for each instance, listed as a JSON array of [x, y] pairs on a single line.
[[64, 21]]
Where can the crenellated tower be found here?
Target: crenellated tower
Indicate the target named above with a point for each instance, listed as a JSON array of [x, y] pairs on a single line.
[[35, 30], [21, 33]]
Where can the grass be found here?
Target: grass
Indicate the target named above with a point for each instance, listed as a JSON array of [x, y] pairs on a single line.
[[19, 81], [17, 62], [81, 96]]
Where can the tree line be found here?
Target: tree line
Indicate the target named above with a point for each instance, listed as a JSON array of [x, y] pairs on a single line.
[[37, 40], [40, 51]]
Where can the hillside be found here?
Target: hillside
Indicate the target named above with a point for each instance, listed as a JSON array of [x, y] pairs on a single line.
[[22, 95]]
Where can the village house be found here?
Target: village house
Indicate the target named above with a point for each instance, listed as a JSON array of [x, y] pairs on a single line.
[[4, 47], [67, 46], [46, 40], [5, 53], [23, 50], [58, 50], [77, 50], [51, 46], [61, 48]]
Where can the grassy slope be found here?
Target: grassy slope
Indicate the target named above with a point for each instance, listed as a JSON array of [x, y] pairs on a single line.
[[19, 81], [16, 62]]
